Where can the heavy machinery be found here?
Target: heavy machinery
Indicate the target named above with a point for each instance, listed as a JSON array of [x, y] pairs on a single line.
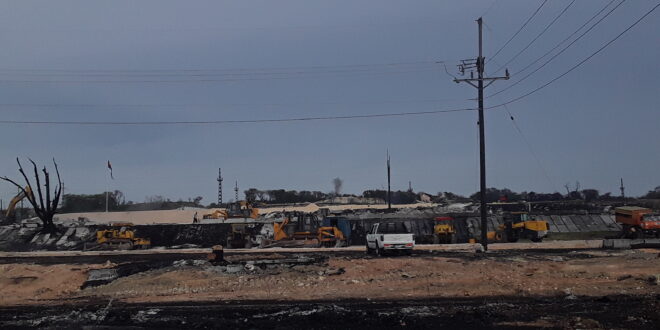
[[331, 237], [121, 237], [239, 213], [17, 199], [444, 231], [328, 234], [238, 210], [637, 222], [517, 225], [240, 236]]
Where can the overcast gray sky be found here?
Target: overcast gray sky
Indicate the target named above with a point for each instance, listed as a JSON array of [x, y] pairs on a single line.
[[244, 60]]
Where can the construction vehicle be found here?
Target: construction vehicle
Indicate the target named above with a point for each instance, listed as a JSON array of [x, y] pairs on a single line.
[[331, 237], [17, 199], [518, 225], [238, 210], [240, 236], [238, 214], [444, 231], [121, 237], [637, 222], [216, 214], [328, 234]]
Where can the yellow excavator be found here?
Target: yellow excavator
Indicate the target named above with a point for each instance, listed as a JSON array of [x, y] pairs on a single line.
[[121, 237], [17, 199]]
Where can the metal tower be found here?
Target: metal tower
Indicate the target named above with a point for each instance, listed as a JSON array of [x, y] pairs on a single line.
[[219, 186]]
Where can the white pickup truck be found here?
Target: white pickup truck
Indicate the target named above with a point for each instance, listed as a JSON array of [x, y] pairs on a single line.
[[389, 237]]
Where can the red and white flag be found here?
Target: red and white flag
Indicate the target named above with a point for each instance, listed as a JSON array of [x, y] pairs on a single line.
[[110, 168]]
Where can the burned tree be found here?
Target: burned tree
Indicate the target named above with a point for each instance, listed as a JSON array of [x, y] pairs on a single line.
[[44, 208]]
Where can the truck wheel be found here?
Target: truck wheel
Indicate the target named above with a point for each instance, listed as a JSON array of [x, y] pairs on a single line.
[[369, 250]]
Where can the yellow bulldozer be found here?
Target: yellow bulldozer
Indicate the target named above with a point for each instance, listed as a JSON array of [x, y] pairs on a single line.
[[238, 210], [324, 236], [121, 237], [240, 235], [518, 225], [330, 237]]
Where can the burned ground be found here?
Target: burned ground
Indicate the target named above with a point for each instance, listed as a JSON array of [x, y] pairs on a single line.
[[591, 288], [610, 312]]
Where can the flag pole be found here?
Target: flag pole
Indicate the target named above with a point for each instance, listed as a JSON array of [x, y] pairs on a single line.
[[106, 197], [107, 190]]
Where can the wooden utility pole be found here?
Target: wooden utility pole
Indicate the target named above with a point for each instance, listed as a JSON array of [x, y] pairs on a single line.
[[479, 64]]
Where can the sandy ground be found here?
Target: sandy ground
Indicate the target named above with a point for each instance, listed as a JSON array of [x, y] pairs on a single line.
[[594, 273], [33, 284], [186, 215]]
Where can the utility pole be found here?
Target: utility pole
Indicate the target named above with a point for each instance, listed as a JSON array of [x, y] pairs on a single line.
[[236, 191], [623, 194], [479, 64], [389, 189], [219, 187]]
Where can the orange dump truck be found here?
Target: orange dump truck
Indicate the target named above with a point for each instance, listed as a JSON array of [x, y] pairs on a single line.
[[637, 222]]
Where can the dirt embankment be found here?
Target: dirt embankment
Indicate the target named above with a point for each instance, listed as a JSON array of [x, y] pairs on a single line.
[[565, 275]]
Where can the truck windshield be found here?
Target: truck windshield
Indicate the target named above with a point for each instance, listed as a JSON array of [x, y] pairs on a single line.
[[393, 228]]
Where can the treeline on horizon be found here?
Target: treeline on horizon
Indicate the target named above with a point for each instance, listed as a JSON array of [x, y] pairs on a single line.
[[116, 201]]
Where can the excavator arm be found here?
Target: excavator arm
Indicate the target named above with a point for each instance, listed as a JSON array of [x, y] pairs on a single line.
[[14, 201]]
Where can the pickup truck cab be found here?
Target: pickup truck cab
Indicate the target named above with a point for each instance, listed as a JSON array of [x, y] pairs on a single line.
[[390, 237]]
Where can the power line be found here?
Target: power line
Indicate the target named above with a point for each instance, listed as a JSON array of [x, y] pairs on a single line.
[[216, 105], [559, 53], [537, 36], [566, 39], [521, 28], [339, 117], [259, 69], [212, 80], [492, 5], [530, 148], [178, 75], [580, 63], [248, 121], [223, 74]]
